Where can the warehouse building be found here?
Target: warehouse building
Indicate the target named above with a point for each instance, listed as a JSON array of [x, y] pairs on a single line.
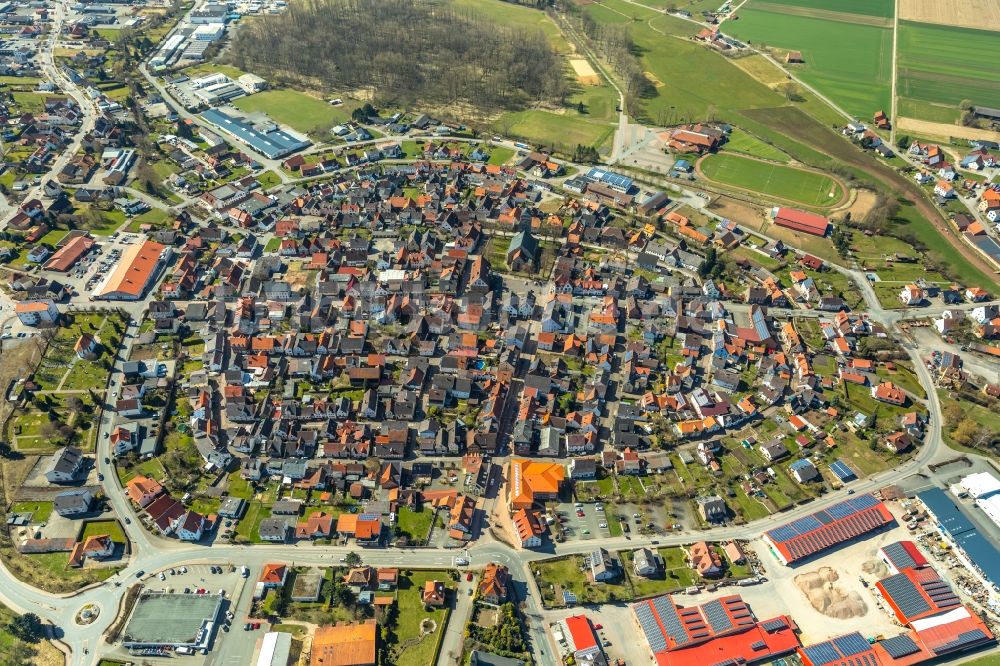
[[978, 552], [840, 523], [266, 138], [722, 631]]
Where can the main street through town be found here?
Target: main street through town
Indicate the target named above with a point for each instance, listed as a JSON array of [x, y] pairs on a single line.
[[151, 553]]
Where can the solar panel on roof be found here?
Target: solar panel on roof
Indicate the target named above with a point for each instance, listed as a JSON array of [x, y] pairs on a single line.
[[964, 639], [774, 625], [717, 616], [672, 626], [899, 646], [842, 471], [823, 517], [821, 654], [901, 590], [758, 645], [841, 510], [898, 556], [650, 627], [851, 644], [864, 501]]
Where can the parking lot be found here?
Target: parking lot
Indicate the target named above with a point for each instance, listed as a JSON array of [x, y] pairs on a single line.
[[592, 524]]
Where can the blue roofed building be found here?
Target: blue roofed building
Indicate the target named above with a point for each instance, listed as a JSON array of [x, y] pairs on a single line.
[[615, 181], [265, 138]]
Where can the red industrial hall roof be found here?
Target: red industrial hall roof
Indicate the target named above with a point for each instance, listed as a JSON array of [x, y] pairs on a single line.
[[800, 220]]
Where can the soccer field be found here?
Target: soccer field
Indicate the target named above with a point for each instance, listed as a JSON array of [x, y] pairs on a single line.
[[805, 187]]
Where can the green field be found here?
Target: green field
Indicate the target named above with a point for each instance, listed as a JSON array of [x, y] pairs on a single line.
[[878, 8], [299, 111], [935, 113], [547, 130], [944, 64], [741, 142], [805, 187], [683, 68], [856, 78], [515, 16]]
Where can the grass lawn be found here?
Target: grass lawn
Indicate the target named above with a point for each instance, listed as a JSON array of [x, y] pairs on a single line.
[[268, 179], [500, 155], [939, 64], [415, 524], [239, 487], [805, 187], [14, 651], [53, 567], [742, 142], [555, 576], [681, 67], [247, 528], [205, 505], [299, 111], [988, 418], [85, 375], [154, 217], [110, 527], [677, 575], [552, 130], [857, 79], [419, 648], [40, 511], [151, 468]]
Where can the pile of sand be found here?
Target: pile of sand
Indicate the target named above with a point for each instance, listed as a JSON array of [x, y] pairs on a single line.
[[876, 568], [827, 598]]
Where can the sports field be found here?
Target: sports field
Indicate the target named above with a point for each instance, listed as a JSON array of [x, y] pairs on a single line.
[[805, 187], [857, 77], [945, 65]]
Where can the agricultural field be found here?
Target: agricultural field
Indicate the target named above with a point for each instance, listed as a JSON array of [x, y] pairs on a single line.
[[943, 65], [875, 8], [683, 66], [857, 78], [806, 187]]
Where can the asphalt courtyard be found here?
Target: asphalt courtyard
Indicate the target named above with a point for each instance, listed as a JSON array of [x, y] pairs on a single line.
[[171, 619]]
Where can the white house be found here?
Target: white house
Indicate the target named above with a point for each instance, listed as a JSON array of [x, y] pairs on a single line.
[[37, 313]]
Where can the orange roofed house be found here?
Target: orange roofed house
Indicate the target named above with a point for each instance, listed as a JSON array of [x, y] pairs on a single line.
[[142, 490], [530, 482], [345, 645]]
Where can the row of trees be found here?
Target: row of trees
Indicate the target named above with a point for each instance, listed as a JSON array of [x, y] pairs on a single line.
[[616, 45], [406, 52]]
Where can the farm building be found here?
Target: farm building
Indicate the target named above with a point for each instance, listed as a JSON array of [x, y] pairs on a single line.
[[800, 220]]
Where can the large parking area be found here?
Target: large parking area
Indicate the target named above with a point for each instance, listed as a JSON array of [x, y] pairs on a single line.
[[583, 521]]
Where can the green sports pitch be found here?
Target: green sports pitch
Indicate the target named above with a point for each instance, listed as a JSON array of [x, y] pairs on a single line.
[[775, 180]]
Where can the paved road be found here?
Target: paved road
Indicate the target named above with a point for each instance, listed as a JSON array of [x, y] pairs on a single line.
[[87, 107]]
